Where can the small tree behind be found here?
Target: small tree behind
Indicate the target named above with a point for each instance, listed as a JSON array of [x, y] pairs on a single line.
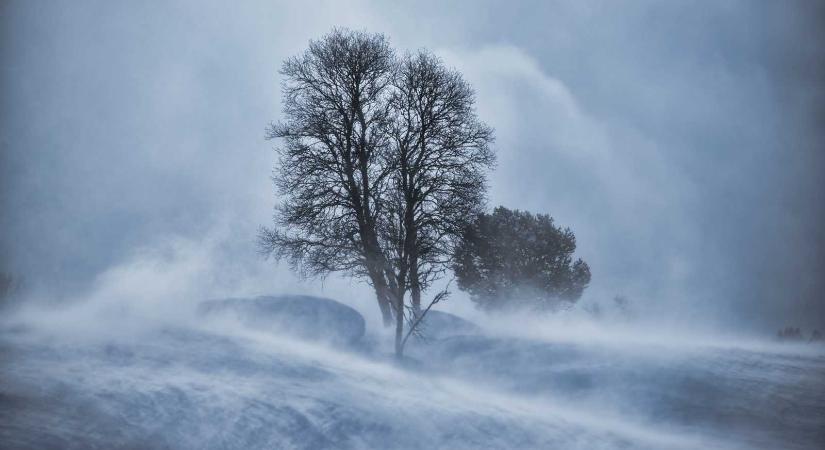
[[512, 259]]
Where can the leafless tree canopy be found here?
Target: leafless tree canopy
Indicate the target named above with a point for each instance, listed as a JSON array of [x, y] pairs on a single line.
[[382, 162], [442, 151]]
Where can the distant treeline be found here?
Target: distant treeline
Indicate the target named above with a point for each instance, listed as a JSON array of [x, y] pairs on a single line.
[[795, 334]]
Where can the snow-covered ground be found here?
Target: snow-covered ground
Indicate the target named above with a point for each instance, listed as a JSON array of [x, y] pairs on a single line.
[[212, 382]]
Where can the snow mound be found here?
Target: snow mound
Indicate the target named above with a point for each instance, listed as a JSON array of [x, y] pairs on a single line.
[[441, 325], [307, 317]]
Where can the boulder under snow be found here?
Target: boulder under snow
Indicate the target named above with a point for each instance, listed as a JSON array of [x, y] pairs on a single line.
[[304, 316], [440, 325]]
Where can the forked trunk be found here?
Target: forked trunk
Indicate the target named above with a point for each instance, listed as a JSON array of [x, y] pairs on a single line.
[[374, 263]]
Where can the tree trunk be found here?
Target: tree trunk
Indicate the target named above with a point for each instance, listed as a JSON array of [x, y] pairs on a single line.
[[411, 247], [375, 265], [415, 289], [384, 304], [399, 325], [383, 295]]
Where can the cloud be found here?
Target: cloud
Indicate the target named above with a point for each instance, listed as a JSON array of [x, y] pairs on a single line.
[[673, 140], [556, 157]]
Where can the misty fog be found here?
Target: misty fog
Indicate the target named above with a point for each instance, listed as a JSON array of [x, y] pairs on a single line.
[[681, 143]]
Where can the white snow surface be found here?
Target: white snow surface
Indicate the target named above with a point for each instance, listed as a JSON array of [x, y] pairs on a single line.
[[210, 383]]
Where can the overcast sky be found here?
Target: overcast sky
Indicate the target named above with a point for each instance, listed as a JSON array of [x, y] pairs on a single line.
[[682, 142]]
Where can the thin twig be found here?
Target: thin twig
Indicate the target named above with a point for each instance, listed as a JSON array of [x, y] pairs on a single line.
[[437, 298]]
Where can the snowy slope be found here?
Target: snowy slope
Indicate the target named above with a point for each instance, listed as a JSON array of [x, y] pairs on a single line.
[[213, 384]]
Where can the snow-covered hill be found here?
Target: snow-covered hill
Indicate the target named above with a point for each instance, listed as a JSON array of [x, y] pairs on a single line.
[[216, 383]]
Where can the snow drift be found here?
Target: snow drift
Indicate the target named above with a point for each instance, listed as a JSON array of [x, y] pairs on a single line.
[[241, 383]]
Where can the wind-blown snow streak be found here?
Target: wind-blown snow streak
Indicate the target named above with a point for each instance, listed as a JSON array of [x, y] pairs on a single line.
[[215, 384]]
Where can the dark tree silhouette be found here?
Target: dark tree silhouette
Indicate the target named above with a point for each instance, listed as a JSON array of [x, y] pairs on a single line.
[[513, 259], [382, 162], [442, 152], [332, 172]]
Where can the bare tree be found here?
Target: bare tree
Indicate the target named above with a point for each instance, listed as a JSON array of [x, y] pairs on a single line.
[[331, 174], [383, 162], [442, 152]]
